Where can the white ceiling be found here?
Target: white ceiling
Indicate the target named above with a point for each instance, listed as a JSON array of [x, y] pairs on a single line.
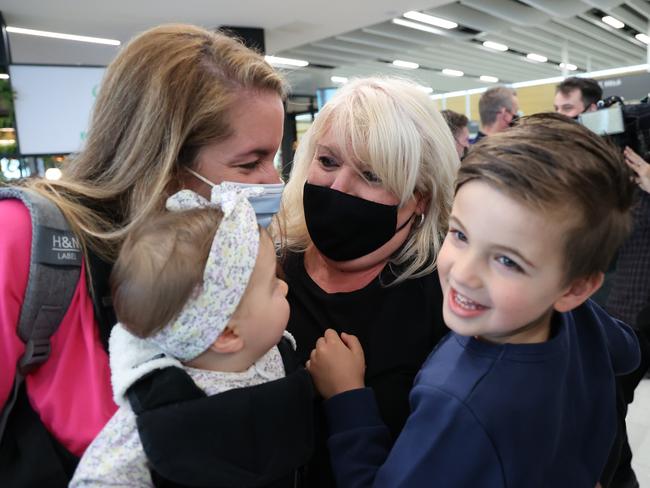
[[287, 24], [357, 37]]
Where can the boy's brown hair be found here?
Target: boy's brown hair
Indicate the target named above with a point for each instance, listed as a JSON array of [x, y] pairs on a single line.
[[159, 267], [553, 164]]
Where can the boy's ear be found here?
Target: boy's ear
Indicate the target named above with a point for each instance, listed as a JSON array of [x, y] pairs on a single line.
[[228, 342], [579, 291]]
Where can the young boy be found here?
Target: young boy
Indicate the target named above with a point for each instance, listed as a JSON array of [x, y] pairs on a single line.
[[209, 390], [521, 393]]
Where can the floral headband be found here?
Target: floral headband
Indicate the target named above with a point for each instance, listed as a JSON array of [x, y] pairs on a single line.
[[227, 271]]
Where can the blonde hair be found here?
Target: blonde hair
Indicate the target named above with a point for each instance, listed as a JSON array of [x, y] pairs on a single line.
[[159, 267], [166, 94], [394, 128]]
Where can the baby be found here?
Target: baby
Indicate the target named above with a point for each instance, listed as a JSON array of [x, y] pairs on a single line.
[[209, 391]]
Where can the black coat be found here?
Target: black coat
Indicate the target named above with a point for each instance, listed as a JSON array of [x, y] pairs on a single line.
[[245, 437]]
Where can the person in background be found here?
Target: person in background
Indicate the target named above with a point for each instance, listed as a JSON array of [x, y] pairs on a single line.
[[202, 312], [522, 391], [630, 291], [363, 214], [175, 97], [629, 300], [458, 124], [575, 96], [498, 108], [627, 287]]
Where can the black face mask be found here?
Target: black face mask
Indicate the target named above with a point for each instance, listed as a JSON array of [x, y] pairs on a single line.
[[577, 117], [344, 227], [514, 121]]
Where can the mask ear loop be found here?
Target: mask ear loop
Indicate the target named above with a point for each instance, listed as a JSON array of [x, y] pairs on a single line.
[[417, 224], [200, 177]]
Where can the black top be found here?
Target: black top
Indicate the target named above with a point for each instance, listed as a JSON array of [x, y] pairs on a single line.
[[257, 436], [397, 326], [630, 291]]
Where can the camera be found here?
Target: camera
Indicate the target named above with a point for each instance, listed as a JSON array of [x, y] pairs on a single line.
[[626, 125]]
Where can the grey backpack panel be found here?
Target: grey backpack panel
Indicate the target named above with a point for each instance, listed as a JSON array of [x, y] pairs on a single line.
[[54, 270]]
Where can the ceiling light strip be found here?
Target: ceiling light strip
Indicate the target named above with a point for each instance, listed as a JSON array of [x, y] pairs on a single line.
[[612, 22], [452, 72], [458, 93], [568, 66], [556, 79], [430, 19], [536, 57], [497, 46], [277, 61], [405, 64], [415, 25], [59, 35]]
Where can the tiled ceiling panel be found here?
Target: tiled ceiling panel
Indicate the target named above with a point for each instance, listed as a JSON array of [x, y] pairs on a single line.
[[570, 31]]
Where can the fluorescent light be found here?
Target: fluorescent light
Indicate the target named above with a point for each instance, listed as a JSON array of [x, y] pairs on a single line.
[[53, 174], [611, 21], [452, 72], [58, 35], [541, 81], [7, 142], [457, 93], [568, 66], [425, 89], [643, 38], [339, 79], [4, 76], [276, 61], [536, 57], [616, 71], [489, 79], [405, 64], [7, 129], [547, 81], [430, 19], [495, 45], [415, 25]]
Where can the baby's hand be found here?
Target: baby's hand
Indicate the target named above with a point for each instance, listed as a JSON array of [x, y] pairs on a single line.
[[337, 364]]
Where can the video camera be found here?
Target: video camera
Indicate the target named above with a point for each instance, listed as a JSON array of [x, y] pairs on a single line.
[[627, 125]]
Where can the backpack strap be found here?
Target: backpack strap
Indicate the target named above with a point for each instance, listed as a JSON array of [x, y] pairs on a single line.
[[54, 270]]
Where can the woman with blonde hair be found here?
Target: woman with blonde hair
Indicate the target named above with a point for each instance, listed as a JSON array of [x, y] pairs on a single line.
[[179, 107], [364, 214]]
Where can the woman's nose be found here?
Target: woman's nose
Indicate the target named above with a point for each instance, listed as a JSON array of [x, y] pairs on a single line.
[[344, 180]]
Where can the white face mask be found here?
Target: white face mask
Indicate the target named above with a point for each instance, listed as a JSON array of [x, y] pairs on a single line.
[[265, 202]]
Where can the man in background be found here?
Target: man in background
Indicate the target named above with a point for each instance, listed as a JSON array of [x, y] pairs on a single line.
[[498, 108], [575, 96], [458, 125]]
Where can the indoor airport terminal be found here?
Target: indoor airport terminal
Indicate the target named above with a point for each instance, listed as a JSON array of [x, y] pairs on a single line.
[[302, 244]]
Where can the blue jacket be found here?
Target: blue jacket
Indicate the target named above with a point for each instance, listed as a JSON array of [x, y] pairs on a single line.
[[487, 415]]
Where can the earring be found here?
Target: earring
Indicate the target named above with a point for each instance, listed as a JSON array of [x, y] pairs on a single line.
[[419, 224]]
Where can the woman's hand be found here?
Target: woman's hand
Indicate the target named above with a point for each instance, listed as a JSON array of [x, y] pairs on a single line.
[[640, 167], [337, 364]]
